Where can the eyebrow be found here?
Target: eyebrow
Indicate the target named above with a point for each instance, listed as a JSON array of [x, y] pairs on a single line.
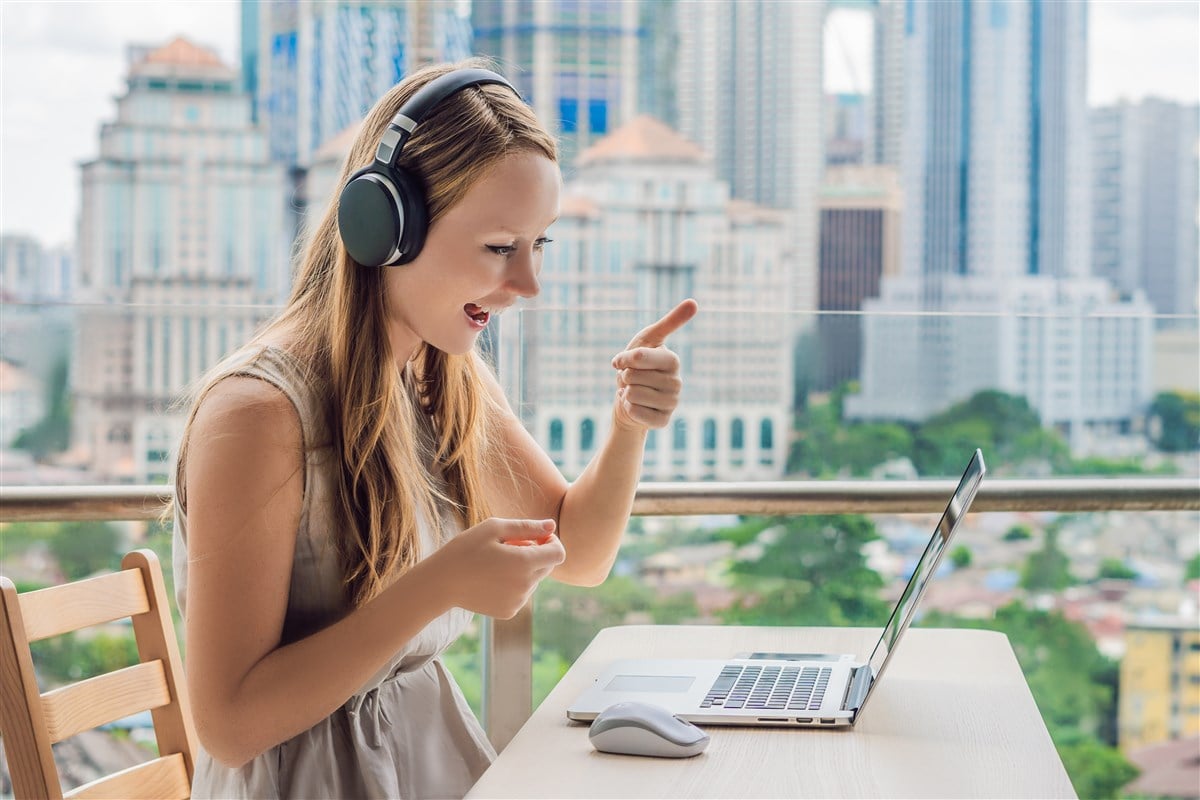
[[511, 232]]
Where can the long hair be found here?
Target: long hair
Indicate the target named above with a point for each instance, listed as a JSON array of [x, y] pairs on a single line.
[[336, 314]]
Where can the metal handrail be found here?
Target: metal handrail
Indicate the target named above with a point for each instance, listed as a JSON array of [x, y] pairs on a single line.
[[682, 498]]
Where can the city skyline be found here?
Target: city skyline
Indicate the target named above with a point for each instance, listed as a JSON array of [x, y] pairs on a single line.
[[1149, 48]]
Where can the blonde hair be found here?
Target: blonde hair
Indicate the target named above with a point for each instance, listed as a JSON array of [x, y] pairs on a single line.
[[337, 316]]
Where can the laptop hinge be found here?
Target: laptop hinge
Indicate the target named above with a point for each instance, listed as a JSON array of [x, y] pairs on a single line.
[[856, 689]]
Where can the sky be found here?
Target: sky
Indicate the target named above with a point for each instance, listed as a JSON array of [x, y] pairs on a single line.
[[62, 64]]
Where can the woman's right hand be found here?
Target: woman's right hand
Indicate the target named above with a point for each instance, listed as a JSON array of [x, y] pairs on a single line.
[[487, 575]]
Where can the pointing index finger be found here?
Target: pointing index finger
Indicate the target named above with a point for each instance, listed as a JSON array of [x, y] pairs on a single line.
[[655, 334]]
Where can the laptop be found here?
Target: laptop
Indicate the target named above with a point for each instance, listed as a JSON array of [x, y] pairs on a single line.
[[779, 689]]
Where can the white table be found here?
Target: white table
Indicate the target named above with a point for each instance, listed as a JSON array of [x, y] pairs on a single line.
[[953, 718]]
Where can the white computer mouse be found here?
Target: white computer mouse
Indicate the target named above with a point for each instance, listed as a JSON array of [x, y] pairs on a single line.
[[645, 729]]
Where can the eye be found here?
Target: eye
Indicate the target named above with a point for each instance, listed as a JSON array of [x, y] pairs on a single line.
[[502, 249], [541, 243]]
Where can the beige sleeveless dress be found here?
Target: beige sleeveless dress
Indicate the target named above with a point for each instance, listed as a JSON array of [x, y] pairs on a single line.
[[408, 733]]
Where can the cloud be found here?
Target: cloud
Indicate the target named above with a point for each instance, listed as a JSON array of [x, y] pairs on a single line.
[[1140, 49]]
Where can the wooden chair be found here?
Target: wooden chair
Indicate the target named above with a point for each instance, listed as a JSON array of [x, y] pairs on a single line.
[[31, 721]]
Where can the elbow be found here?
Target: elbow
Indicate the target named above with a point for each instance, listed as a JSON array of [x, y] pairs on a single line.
[[588, 578], [225, 738]]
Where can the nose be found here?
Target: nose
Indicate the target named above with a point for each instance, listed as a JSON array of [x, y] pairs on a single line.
[[523, 274]]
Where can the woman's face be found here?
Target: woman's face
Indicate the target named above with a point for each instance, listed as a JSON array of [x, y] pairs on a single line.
[[479, 257]]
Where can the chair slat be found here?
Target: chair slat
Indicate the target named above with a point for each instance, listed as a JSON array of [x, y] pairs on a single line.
[[161, 779], [105, 698], [60, 609]]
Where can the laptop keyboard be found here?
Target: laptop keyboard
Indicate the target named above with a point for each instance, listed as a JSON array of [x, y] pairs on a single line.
[[791, 688]]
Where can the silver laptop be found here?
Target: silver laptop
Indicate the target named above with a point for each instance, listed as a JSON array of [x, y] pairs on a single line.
[[782, 689]]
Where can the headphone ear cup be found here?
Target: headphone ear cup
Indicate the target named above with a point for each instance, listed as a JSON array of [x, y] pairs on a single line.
[[368, 218], [414, 216]]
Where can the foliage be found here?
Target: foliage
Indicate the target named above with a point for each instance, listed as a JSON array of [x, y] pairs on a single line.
[[1019, 532], [961, 557], [825, 446], [1004, 425], [566, 618], [1192, 571], [82, 548], [51, 434], [17, 537], [1176, 417], [1096, 770], [1047, 569], [1115, 568], [70, 657], [811, 571]]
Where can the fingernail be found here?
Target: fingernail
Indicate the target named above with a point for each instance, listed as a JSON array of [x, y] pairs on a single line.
[[548, 525]]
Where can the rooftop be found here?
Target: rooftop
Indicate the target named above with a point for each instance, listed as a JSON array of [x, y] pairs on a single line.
[[644, 138]]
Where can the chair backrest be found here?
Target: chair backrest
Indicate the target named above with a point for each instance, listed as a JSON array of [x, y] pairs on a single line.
[[31, 721]]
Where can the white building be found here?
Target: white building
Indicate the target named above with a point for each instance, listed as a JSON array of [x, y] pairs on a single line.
[[183, 250], [750, 92], [995, 290], [1080, 356], [1145, 200], [644, 225]]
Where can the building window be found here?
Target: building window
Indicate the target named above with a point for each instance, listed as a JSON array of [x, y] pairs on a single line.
[[737, 434], [568, 114], [556, 434], [710, 434], [587, 435], [766, 439]]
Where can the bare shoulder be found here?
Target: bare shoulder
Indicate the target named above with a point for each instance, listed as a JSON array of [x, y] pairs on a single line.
[[241, 406]]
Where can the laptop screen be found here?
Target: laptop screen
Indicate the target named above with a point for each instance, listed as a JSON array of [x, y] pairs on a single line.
[[902, 614]]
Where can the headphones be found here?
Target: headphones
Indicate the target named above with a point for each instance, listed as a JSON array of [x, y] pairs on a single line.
[[382, 216]]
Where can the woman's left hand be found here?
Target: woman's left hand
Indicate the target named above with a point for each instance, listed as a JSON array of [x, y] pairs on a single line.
[[648, 382]]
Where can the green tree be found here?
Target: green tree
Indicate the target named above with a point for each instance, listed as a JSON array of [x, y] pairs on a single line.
[[52, 433], [1096, 770], [1192, 570], [1175, 419], [82, 548], [1115, 568], [566, 618], [811, 571], [1018, 533], [961, 557], [1047, 569]]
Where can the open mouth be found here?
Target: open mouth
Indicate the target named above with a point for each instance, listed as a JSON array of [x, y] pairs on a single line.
[[478, 314]]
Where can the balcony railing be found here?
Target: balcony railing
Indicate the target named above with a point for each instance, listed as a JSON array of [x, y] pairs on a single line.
[[508, 645]]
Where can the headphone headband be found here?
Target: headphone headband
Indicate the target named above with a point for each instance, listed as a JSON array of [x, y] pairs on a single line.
[[382, 216], [401, 126]]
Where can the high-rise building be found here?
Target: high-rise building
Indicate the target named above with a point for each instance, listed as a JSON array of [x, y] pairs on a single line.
[[1144, 197], [750, 93], [574, 61], [21, 265], [645, 223], [996, 229], [1159, 683], [886, 131], [318, 67], [182, 252], [860, 244]]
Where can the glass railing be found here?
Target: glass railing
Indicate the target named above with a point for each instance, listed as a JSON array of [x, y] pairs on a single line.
[[782, 493]]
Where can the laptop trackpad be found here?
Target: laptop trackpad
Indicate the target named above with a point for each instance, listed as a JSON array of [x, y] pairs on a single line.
[[650, 683]]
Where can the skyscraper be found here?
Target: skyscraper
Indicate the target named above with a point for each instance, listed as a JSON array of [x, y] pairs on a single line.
[[318, 67], [182, 251], [574, 61], [750, 93], [996, 232], [1144, 198]]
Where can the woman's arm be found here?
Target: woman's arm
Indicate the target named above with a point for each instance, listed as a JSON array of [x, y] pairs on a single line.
[[245, 475], [593, 511]]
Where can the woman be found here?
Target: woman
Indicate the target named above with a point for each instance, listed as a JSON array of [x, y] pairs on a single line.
[[349, 484]]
